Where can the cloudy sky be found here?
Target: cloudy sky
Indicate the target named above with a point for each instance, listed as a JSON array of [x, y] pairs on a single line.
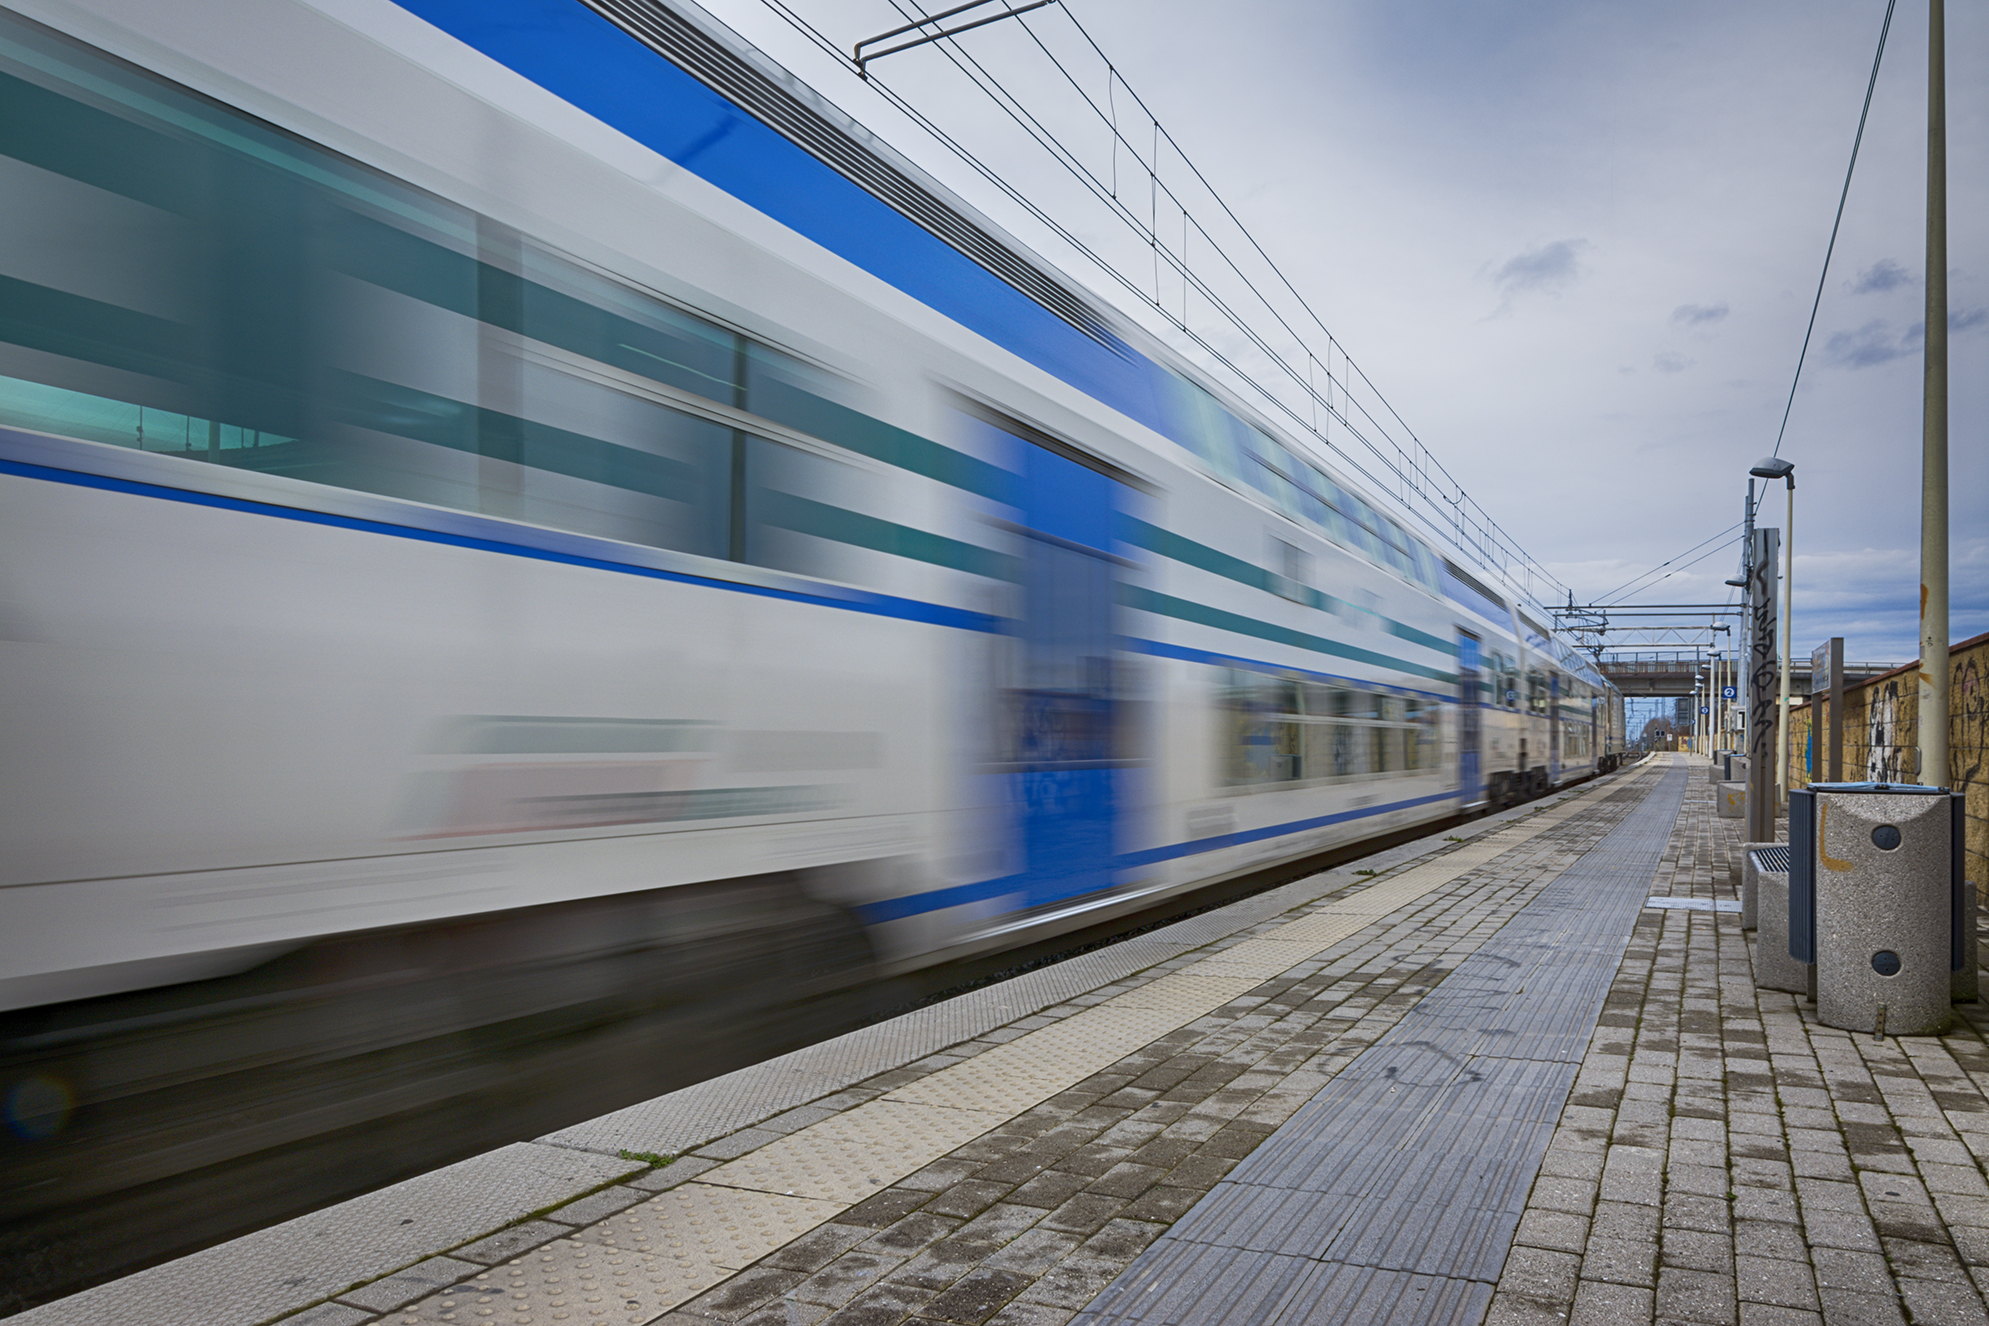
[[1575, 243]]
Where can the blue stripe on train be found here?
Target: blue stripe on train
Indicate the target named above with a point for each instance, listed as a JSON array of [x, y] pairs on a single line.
[[587, 61], [876, 605], [917, 904]]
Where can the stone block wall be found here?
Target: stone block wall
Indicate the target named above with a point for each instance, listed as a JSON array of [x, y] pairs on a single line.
[[1881, 732]]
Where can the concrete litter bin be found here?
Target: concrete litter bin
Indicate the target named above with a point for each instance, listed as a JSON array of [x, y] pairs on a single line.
[[1876, 901], [1730, 799]]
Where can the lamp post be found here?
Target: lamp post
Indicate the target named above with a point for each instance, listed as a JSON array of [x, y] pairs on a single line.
[[1725, 672], [1739, 582], [1774, 467]]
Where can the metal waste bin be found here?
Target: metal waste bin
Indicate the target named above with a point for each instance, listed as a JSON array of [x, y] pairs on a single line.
[[1875, 902], [1748, 870], [1775, 967]]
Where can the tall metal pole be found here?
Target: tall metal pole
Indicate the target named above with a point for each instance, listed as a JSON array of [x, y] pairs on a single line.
[[1747, 574], [1933, 715], [1763, 603], [1788, 615]]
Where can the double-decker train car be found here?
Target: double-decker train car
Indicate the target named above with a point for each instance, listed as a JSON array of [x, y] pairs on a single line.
[[520, 518]]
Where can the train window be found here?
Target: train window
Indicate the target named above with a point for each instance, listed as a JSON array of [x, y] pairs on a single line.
[[1426, 569], [1279, 731], [1237, 452], [1330, 751], [1293, 570], [1315, 512]]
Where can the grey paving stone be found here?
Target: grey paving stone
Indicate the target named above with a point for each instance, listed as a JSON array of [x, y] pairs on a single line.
[[819, 1247], [598, 1206], [681, 1170], [746, 1292], [508, 1243], [1843, 1308], [734, 1145], [390, 1292], [843, 1278], [1698, 1251], [1763, 1314], [1621, 1261], [1858, 1272], [1946, 1302], [1789, 1284], [1558, 1230], [329, 1314], [1541, 1274], [1695, 1296], [1599, 1303], [1034, 1251]]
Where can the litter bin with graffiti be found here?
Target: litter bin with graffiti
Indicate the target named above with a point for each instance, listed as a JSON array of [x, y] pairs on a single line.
[[1876, 902]]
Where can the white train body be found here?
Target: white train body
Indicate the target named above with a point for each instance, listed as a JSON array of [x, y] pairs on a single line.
[[953, 636]]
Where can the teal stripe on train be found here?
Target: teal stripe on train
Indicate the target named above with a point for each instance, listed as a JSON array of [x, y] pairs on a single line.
[[1178, 548], [1166, 605]]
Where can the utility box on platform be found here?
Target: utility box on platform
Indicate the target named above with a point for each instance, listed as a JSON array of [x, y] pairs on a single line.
[[1876, 902]]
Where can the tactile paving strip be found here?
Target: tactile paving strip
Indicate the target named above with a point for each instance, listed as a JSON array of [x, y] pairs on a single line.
[[844, 1159], [696, 1225], [1390, 1173], [565, 1281]]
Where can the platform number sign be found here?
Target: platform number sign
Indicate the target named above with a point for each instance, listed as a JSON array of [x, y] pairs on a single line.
[[1705, 709], [1729, 692]]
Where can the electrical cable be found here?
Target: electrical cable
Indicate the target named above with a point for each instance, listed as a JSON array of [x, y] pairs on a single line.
[[1602, 600], [1467, 520], [1669, 574], [1831, 248]]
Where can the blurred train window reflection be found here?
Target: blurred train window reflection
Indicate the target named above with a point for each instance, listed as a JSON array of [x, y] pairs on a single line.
[[185, 280], [1278, 731]]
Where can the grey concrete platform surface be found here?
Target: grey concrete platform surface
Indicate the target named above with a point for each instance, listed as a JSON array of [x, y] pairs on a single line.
[[1487, 1081]]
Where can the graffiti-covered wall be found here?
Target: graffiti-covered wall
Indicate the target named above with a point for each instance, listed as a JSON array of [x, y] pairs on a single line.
[[1881, 732]]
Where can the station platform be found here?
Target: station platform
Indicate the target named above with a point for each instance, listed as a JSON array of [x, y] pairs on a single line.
[[1517, 1073]]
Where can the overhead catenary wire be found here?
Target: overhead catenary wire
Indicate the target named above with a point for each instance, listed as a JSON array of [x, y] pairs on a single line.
[[1830, 248], [1409, 474], [1635, 585], [992, 87]]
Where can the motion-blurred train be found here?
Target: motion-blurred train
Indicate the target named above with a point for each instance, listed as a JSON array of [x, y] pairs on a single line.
[[518, 515]]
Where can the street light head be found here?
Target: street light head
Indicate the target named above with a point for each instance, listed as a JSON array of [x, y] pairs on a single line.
[[1774, 467], [1738, 582]]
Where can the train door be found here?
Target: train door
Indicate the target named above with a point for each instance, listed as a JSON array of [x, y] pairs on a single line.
[[1063, 764], [1470, 779], [1553, 727]]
